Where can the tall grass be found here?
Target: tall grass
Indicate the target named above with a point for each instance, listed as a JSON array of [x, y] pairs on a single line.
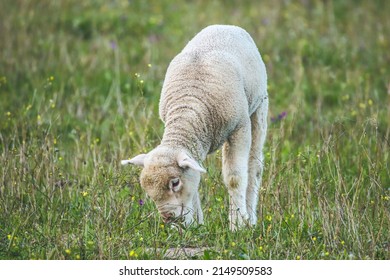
[[79, 88]]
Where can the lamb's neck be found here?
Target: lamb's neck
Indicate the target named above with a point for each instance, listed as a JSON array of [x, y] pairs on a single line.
[[185, 135]]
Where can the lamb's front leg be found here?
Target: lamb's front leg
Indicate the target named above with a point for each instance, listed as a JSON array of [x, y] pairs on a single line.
[[235, 154]]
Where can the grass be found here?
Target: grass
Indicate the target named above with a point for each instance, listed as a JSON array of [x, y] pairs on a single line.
[[79, 87]]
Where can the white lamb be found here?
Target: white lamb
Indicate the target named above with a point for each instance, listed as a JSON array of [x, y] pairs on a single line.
[[214, 94]]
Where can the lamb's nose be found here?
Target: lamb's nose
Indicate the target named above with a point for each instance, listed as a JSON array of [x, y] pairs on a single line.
[[167, 216]]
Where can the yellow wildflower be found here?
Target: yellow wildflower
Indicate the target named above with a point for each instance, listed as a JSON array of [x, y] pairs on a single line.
[[133, 254]]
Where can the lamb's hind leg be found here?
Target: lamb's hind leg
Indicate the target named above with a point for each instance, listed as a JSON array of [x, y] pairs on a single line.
[[235, 154], [256, 161]]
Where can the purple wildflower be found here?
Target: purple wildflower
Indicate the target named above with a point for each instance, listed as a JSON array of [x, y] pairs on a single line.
[[279, 117], [113, 45], [282, 115], [141, 202]]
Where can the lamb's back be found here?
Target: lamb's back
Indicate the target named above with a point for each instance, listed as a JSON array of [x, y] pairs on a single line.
[[239, 49]]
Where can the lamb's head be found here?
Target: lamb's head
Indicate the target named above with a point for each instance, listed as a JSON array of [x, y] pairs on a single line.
[[171, 178]]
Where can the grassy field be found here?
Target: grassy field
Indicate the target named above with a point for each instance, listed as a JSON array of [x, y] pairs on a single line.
[[79, 89]]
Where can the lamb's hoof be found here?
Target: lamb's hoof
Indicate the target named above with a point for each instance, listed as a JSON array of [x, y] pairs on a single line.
[[239, 221]]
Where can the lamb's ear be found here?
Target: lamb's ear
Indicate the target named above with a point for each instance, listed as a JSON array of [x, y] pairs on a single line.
[[138, 160], [185, 161]]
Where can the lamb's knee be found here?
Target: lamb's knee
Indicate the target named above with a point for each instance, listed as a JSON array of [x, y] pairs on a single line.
[[259, 173], [233, 180]]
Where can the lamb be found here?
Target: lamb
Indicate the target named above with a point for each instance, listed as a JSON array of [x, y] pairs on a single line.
[[214, 94]]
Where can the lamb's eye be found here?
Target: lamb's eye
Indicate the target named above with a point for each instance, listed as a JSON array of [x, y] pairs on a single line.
[[174, 184]]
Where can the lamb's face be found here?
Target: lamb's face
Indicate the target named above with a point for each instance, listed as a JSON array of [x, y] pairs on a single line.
[[172, 188], [171, 178]]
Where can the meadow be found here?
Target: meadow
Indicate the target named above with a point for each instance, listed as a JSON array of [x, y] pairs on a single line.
[[79, 90]]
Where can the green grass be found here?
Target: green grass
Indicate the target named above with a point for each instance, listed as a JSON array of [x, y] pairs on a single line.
[[79, 89]]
